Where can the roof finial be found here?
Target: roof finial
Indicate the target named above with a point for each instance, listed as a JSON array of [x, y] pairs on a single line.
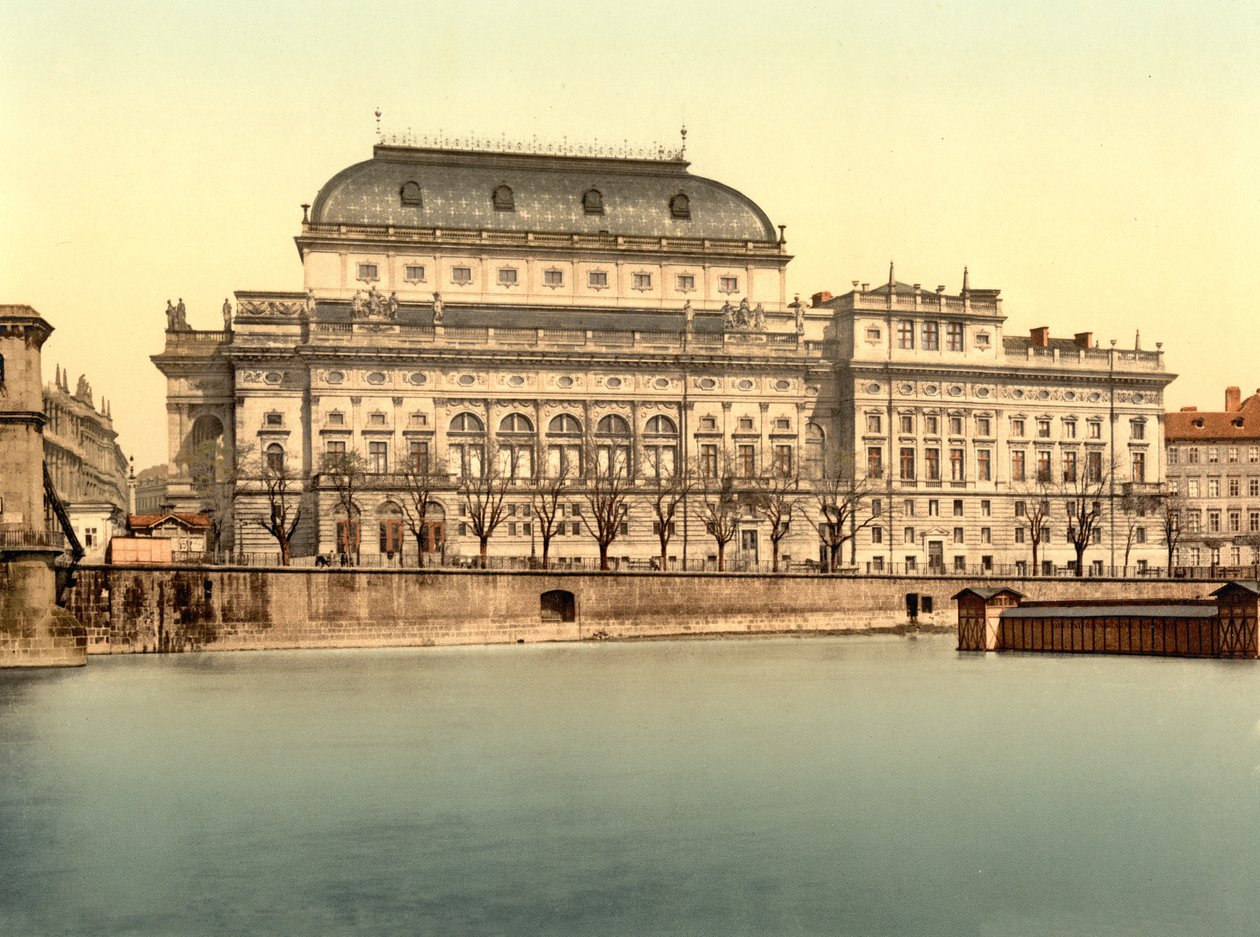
[[683, 151], [966, 281], [892, 279], [378, 126], [1137, 340]]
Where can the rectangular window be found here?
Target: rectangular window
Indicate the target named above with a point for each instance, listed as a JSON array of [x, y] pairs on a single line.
[[954, 336], [932, 425], [907, 508], [877, 535], [746, 460], [1017, 426], [1192, 488], [686, 282], [1214, 522], [984, 426], [597, 279], [877, 507], [872, 423], [418, 456], [413, 273], [1018, 469], [957, 465], [335, 448], [783, 461], [875, 461], [641, 281], [1253, 522], [1137, 429], [378, 457], [1234, 486], [728, 284], [1235, 522], [462, 275], [1139, 466], [1192, 455], [958, 535], [931, 336], [709, 461], [1095, 430], [932, 464], [1093, 466], [1139, 535], [1213, 487], [1253, 453], [1213, 454], [907, 463], [907, 423], [986, 534], [873, 335], [1253, 487], [1019, 536], [905, 334], [1069, 429], [934, 508], [553, 278], [955, 425], [745, 424], [1019, 509], [986, 508], [1043, 429], [908, 535], [369, 272], [1231, 454], [1069, 466], [507, 276], [958, 507]]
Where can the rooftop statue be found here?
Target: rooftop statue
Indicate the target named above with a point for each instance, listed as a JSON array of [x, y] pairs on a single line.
[[227, 316]]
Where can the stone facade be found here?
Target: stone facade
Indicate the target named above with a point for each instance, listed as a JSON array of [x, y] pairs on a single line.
[[962, 430], [1214, 484], [85, 463]]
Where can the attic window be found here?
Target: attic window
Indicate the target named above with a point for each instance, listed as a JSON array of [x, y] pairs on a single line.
[[409, 194], [593, 202], [680, 206], [274, 419], [1237, 421], [1198, 422], [376, 419], [503, 200]]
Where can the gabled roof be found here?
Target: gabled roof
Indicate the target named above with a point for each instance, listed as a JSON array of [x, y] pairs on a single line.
[[150, 521], [1247, 585], [1191, 425], [986, 592]]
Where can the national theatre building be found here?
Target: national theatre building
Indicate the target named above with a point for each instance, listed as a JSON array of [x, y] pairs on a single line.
[[538, 316]]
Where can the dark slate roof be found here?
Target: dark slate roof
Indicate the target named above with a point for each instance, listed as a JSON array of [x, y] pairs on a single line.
[[1251, 585], [1111, 611], [986, 592], [456, 192]]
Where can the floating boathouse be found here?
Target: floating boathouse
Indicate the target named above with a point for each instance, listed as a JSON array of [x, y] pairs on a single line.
[[1002, 619]]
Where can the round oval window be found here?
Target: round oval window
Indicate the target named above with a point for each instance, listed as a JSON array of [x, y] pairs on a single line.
[[565, 381], [982, 391], [745, 384], [872, 388], [707, 383], [335, 377], [376, 377], [417, 378], [273, 377], [613, 382], [955, 391], [662, 383], [782, 385], [467, 379], [516, 380]]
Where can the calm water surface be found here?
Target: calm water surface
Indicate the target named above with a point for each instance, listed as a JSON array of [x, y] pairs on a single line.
[[848, 786]]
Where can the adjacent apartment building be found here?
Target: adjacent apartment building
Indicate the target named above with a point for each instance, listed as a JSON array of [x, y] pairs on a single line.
[[1214, 482]]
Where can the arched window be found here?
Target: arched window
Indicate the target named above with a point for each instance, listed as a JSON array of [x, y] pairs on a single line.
[[275, 458], [815, 441], [680, 206], [564, 446], [467, 445], [409, 194], [389, 519], [593, 202], [503, 199], [516, 446], [205, 448], [660, 448], [612, 446]]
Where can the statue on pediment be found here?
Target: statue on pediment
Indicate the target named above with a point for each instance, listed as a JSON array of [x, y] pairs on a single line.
[[170, 315], [744, 317], [374, 305], [227, 315]]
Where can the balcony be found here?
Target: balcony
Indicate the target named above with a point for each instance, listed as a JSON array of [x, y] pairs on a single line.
[[34, 540]]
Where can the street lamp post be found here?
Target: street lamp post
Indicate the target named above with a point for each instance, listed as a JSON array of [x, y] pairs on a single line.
[[1111, 475]]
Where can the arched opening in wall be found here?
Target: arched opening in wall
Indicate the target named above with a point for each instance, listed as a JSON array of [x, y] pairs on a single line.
[[389, 522], [432, 538], [557, 605], [516, 446], [564, 447], [205, 453], [815, 455], [660, 448], [612, 447]]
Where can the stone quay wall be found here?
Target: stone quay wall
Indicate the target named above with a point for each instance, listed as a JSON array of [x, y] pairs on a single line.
[[33, 631], [138, 609]]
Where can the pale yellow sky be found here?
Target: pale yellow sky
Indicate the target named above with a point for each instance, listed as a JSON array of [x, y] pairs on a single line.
[[1096, 162]]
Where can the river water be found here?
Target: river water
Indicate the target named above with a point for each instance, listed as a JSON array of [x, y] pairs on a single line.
[[840, 786]]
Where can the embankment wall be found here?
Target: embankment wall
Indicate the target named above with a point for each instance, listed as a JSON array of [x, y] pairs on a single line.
[[136, 609]]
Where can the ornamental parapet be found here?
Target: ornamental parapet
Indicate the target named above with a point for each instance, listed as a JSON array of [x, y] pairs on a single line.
[[195, 343], [469, 237], [30, 539]]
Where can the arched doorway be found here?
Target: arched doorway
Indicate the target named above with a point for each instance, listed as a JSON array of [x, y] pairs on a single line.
[[389, 522], [557, 605]]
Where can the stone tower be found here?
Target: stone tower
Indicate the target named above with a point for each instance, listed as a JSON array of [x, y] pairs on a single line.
[[34, 632]]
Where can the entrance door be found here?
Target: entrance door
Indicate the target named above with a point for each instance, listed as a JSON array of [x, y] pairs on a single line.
[[748, 546], [936, 556]]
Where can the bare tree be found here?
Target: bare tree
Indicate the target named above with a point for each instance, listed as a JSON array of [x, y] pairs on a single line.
[[283, 506], [1170, 525], [420, 481], [344, 473], [719, 506], [1083, 499], [668, 494], [1034, 515], [548, 508], [1135, 508], [608, 488], [843, 500], [217, 475], [776, 502], [483, 490]]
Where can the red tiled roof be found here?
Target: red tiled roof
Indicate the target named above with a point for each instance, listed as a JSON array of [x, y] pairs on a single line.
[[150, 521], [1192, 425]]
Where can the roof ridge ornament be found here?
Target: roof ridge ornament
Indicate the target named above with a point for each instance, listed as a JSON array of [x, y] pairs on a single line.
[[534, 146]]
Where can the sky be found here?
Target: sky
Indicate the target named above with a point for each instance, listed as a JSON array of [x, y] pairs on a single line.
[[1095, 162]]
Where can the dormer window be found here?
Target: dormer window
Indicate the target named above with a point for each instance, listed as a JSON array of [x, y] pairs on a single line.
[[680, 206], [503, 200], [409, 194], [593, 202]]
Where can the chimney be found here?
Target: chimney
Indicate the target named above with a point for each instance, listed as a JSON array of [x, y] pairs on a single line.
[[1233, 399], [1084, 339], [819, 298], [1189, 409], [1041, 336]]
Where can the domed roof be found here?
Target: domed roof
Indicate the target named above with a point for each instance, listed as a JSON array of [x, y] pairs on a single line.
[[426, 188]]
